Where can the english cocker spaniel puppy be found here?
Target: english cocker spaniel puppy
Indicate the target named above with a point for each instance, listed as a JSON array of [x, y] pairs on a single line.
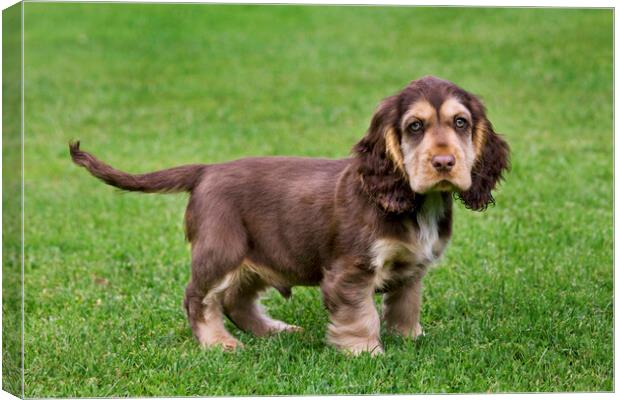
[[373, 222]]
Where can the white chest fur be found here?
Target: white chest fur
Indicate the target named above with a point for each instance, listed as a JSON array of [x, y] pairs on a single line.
[[419, 250]]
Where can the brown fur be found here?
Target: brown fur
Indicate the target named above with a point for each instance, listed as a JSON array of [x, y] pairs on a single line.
[[354, 226]]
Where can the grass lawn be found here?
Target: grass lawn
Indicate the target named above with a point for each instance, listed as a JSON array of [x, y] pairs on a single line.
[[522, 301]]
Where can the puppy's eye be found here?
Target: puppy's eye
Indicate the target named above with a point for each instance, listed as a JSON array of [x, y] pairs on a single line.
[[415, 127], [460, 122]]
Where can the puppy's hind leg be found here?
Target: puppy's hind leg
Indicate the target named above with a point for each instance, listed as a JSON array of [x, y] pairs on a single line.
[[242, 306], [204, 311], [216, 255]]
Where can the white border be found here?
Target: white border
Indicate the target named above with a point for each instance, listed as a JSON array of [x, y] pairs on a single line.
[[477, 3]]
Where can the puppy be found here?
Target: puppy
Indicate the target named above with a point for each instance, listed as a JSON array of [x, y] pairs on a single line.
[[373, 222]]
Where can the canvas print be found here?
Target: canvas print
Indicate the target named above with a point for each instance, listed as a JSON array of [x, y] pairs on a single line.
[[223, 200]]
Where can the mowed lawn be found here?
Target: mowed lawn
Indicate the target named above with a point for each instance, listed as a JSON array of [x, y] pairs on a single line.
[[522, 300]]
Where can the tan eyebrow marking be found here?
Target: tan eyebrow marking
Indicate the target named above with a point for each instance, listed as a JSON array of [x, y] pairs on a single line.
[[452, 107], [421, 110]]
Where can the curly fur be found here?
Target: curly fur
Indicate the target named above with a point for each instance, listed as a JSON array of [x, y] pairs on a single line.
[[382, 178], [490, 164]]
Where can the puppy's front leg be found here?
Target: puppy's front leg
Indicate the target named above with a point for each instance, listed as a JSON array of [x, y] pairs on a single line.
[[401, 308], [348, 290]]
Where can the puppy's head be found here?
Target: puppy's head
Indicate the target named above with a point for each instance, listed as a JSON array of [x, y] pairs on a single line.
[[431, 137]]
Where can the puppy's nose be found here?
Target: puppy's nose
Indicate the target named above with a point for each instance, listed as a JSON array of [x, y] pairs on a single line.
[[443, 163]]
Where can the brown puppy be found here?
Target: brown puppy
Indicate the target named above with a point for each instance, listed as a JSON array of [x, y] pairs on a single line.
[[371, 222]]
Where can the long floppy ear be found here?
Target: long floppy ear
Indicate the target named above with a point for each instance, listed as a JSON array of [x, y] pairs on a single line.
[[491, 162], [380, 161]]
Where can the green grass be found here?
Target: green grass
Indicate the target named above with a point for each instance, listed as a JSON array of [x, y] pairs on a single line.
[[522, 301], [12, 317]]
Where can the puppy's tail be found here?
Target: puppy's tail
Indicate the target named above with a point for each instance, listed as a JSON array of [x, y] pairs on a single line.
[[177, 179]]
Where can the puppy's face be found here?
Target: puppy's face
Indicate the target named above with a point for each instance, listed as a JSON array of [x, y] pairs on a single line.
[[432, 136], [437, 145]]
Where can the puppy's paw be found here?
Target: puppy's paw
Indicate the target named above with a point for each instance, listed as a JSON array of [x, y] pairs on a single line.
[[410, 333], [225, 343], [279, 326], [231, 344], [417, 332], [292, 328]]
